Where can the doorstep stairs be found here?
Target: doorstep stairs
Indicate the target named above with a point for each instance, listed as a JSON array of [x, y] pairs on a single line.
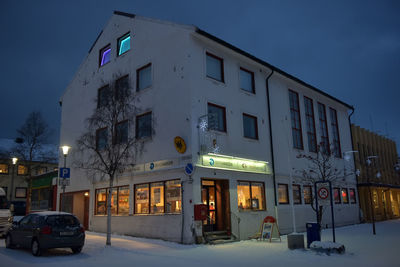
[[218, 237]]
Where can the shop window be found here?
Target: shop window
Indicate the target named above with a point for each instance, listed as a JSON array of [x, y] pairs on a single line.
[[345, 196], [101, 202], [251, 196], [103, 96], [307, 192], [335, 133], [353, 199], [295, 120], [247, 80], [296, 194], [105, 55], [22, 170], [283, 194], [122, 87], [215, 67], [20, 192], [323, 128], [114, 201], [119, 201], [142, 198], [124, 44], [216, 118], [250, 128], [101, 139], [123, 200], [336, 195], [310, 123], [157, 197], [173, 196], [143, 126], [3, 168], [121, 133], [143, 77]]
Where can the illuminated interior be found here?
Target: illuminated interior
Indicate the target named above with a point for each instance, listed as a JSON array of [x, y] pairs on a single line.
[[124, 45]]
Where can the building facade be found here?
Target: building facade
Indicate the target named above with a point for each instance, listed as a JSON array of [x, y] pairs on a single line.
[[208, 103], [379, 174]]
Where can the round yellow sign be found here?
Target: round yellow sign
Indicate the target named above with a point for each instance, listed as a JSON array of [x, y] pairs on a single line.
[[180, 144]]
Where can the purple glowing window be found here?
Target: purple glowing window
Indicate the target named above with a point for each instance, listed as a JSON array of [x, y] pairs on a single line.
[[105, 54]]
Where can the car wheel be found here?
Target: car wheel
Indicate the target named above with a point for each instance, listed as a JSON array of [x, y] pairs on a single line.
[[35, 248], [76, 250], [8, 241]]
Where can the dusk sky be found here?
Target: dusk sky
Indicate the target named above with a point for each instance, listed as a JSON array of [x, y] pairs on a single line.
[[349, 49]]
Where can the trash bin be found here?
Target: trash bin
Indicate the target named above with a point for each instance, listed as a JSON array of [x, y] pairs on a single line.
[[313, 233]]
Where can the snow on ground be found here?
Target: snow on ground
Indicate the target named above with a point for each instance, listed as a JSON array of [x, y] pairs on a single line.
[[362, 249]]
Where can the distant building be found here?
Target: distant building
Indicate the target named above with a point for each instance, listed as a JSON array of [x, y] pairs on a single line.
[[379, 180]]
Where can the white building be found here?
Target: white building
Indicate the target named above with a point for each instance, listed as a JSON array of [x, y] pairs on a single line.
[[213, 96]]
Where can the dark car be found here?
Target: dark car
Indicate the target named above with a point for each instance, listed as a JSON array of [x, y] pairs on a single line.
[[48, 229]]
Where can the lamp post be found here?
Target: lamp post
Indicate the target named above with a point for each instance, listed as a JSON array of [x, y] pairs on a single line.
[[14, 162], [65, 150], [368, 162]]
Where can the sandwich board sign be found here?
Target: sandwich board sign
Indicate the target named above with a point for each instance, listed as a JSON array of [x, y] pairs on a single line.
[[270, 229]]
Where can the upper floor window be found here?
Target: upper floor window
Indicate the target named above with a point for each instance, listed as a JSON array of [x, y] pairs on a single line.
[[250, 128], [101, 139], [247, 80], [296, 194], [310, 123], [323, 128], [216, 118], [283, 194], [122, 87], [215, 67], [121, 132], [22, 170], [335, 133], [105, 55], [251, 196], [103, 96], [143, 125], [143, 77], [124, 44], [295, 119], [3, 168]]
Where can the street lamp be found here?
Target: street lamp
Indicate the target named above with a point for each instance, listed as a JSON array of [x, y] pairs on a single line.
[[65, 150], [378, 175], [14, 162]]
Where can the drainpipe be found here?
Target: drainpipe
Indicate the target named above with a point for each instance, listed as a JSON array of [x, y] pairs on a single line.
[[182, 213], [271, 143]]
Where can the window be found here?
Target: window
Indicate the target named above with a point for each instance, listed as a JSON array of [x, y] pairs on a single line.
[[105, 55], [3, 168], [143, 125], [323, 128], [122, 87], [345, 196], [336, 195], [119, 201], [247, 80], [216, 118], [307, 192], [161, 197], [20, 192], [296, 194], [215, 67], [40, 170], [103, 96], [124, 44], [283, 195], [250, 128], [143, 77], [335, 133], [22, 170], [310, 123], [251, 196], [295, 120], [101, 139], [353, 199], [121, 133]]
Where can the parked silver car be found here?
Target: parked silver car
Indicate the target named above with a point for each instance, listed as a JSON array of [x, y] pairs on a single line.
[[48, 229]]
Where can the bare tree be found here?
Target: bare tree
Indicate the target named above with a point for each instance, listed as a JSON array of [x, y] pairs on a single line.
[[107, 148], [32, 136]]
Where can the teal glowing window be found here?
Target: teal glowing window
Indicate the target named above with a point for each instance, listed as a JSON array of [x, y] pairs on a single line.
[[105, 55], [124, 44]]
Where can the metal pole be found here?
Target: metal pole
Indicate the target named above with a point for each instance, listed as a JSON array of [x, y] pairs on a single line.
[[332, 212], [63, 185], [371, 202], [12, 183]]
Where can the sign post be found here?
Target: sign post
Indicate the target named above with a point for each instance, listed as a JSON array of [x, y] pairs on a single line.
[[323, 191]]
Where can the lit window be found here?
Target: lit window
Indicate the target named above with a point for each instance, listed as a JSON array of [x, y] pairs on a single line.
[[335, 133], [124, 44], [3, 168], [114, 200], [22, 170], [119, 201], [20, 192], [247, 80], [295, 119], [307, 192], [336, 195], [310, 123], [105, 55], [143, 77], [173, 196], [296, 194], [353, 199], [157, 197], [101, 197], [101, 139], [215, 67], [121, 133], [323, 128], [40, 170], [143, 125], [216, 118], [123, 200], [250, 128], [345, 196], [250, 196], [142, 198], [283, 195]]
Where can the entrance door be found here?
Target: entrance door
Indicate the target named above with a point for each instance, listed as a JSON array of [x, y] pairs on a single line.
[[208, 197]]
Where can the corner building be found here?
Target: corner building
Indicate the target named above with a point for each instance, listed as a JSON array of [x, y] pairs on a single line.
[[215, 97]]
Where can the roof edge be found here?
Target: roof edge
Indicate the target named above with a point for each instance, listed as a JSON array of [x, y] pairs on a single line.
[[129, 15]]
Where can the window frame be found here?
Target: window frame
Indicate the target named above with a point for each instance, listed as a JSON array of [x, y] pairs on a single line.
[[117, 85], [224, 122], [296, 114], [101, 52], [7, 167], [107, 195], [20, 188], [339, 194], [253, 87], [256, 126], [287, 194], [335, 133], [251, 196], [352, 201], [116, 137], [347, 195], [97, 137], [148, 65], [310, 116], [137, 125], [300, 195], [103, 88], [26, 170], [324, 122], [119, 40], [311, 194], [221, 60]]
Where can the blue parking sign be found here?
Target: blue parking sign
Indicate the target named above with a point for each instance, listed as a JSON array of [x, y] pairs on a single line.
[[65, 172]]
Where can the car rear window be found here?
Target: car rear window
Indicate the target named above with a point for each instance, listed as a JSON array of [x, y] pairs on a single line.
[[62, 220]]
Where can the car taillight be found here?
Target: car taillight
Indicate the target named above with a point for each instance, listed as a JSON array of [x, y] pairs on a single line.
[[46, 230], [81, 229]]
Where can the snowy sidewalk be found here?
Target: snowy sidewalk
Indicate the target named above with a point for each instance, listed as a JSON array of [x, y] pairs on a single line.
[[362, 249]]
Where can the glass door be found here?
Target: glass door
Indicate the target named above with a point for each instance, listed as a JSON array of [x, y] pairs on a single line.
[[208, 198]]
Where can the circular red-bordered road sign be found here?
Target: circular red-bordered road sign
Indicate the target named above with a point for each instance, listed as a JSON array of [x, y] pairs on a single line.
[[323, 193]]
